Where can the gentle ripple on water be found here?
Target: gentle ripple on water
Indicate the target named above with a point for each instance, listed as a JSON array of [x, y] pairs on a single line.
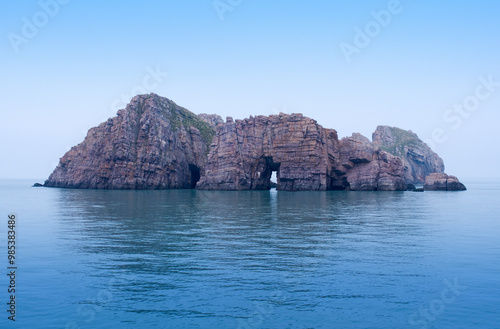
[[263, 259]]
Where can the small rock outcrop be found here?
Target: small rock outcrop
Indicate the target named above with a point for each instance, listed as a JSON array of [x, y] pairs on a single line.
[[411, 187], [305, 156], [443, 182], [418, 158], [151, 144]]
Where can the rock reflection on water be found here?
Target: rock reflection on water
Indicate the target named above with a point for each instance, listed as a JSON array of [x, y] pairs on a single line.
[[185, 254]]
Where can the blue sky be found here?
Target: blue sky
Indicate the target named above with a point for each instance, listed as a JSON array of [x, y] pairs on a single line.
[[265, 57]]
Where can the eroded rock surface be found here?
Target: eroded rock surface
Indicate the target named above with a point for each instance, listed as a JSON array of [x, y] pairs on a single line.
[[152, 144], [418, 158], [245, 152], [305, 155], [155, 144], [368, 167]]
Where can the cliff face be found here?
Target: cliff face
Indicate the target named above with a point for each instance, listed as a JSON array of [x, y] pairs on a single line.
[[418, 158], [152, 144], [246, 152], [305, 156]]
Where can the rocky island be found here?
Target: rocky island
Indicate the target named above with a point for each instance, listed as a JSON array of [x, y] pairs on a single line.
[[155, 144]]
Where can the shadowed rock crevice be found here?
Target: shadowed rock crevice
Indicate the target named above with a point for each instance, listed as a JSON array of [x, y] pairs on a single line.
[[195, 175]]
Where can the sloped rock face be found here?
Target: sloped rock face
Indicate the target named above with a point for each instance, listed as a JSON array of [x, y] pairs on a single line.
[[306, 156], [368, 167], [418, 158], [443, 182], [152, 144]]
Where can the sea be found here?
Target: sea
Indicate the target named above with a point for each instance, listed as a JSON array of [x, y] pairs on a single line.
[[249, 259]]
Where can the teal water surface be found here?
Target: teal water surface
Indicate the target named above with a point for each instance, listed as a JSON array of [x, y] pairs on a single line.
[[260, 259]]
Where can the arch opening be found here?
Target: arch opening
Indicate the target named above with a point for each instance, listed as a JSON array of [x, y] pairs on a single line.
[[195, 175], [267, 174]]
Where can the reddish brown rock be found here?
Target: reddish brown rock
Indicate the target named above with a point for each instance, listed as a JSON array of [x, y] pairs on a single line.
[[418, 158], [369, 168], [156, 144], [443, 182], [244, 154], [152, 144], [306, 156]]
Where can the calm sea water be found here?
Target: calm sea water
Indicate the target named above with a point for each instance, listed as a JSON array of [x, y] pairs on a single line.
[[202, 259]]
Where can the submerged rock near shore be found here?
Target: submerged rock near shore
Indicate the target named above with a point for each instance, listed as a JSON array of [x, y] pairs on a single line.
[[155, 144], [443, 182]]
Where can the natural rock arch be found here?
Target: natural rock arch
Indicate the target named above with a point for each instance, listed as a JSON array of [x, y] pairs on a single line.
[[306, 157]]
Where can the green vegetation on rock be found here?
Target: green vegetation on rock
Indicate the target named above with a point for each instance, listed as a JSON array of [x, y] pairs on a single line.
[[401, 139], [180, 116]]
